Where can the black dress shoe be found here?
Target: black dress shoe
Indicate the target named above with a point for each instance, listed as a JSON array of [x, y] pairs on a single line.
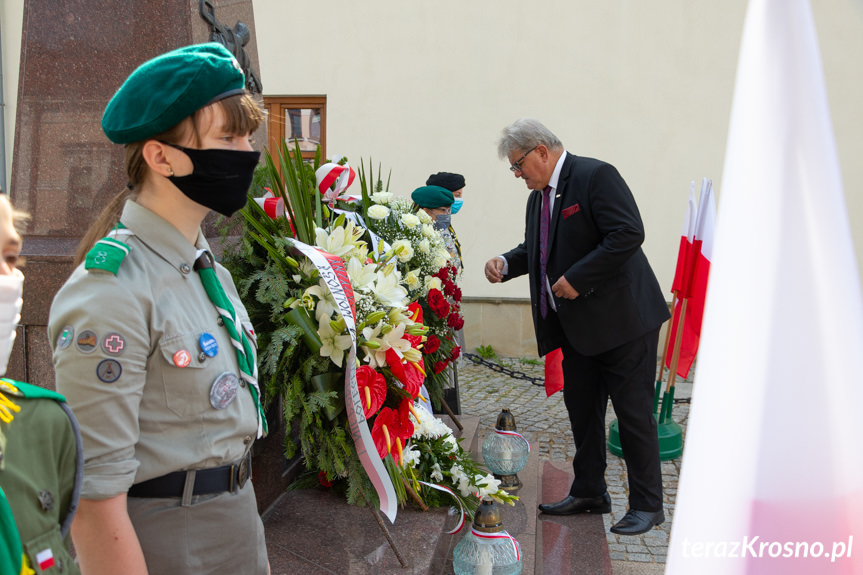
[[637, 522], [572, 505]]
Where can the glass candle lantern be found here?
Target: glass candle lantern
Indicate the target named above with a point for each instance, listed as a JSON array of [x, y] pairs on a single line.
[[505, 452], [487, 549]]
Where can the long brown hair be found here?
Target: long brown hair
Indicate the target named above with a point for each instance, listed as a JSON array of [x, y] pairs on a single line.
[[242, 116]]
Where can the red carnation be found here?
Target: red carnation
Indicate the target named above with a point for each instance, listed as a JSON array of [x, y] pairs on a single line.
[[449, 288], [442, 274], [440, 366], [432, 344], [438, 303], [455, 321], [457, 295]]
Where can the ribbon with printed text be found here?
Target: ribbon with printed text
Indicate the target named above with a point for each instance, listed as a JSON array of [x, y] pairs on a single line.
[[335, 276]]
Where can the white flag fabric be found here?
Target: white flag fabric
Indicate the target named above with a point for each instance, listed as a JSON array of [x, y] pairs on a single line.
[[772, 475]]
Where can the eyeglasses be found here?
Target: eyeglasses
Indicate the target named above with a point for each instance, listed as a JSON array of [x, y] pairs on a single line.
[[516, 165]]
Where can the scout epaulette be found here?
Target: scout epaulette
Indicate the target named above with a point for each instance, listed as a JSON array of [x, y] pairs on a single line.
[[107, 255]]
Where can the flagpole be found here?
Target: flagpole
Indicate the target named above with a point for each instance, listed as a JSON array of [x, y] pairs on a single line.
[[664, 357], [668, 398]]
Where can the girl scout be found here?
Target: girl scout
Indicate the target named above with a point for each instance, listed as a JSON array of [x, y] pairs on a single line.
[[40, 459], [152, 346]]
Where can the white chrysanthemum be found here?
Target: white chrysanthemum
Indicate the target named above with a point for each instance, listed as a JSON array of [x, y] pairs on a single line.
[[424, 217], [407, 250], [428, 231], [333, 344], [451, 442], [424, 246], [382, 197], [411, 456], [410, 220], [378, 212]]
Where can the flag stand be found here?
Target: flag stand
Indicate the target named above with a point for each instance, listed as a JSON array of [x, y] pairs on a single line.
[[669, 432]]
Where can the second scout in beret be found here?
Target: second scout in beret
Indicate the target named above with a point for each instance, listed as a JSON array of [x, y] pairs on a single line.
[[169, 88], [432, 197]]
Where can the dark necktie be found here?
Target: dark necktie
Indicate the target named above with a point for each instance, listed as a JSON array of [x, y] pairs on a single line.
[[544, 220], [217, 295]]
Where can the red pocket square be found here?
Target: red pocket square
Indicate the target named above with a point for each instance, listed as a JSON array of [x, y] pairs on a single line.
[[571, 210]]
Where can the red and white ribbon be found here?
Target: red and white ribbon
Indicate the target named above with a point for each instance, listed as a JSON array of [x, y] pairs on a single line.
[[273, 206], [499, 535], [499, 432], [446, 489], [332, 271], [332, 175]]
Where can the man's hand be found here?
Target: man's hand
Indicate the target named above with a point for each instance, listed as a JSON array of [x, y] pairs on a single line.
[[493, 270], [562, 288]]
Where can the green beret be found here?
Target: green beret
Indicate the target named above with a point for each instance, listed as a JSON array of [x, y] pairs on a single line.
[[168, 89], [432, 197]]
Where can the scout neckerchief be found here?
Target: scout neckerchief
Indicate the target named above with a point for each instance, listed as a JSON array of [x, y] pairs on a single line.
[[248, 369]]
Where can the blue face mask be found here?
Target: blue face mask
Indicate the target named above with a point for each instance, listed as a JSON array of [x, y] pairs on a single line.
[[456, 205]]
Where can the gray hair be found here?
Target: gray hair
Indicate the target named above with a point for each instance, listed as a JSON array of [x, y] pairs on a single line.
[[525, 134]]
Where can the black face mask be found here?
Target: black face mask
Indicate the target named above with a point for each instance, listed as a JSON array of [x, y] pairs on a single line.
[[220, 179]]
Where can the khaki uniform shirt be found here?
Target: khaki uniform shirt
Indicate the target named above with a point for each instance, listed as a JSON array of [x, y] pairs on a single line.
[[119, 343], [38, 465]]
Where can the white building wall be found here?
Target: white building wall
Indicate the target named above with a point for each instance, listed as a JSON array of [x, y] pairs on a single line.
[[427, 86]]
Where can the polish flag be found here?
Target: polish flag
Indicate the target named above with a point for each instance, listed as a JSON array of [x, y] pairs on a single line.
[[771, 476], [553, 372], [695, 285], [687, 236], [45, 559]]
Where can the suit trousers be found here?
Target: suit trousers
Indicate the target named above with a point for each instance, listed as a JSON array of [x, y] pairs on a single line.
[[627, 375]]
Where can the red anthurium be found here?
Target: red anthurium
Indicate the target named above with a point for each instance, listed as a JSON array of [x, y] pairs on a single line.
[[416, 312], [405, 427], [414, 378], [383, 431], [373, 389], [394, 361]]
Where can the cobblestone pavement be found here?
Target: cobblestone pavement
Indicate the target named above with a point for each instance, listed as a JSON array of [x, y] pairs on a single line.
[[545, 423]]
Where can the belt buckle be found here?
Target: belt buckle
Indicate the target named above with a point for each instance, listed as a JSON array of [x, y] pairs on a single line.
[[240, 473]]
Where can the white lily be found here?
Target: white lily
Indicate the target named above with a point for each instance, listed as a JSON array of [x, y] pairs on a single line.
[[362, 275], [338, 242], [326, 304], [387, 289], [333, 344]]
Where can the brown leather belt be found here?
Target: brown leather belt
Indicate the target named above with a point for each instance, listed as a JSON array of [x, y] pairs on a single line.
[[207, 481]]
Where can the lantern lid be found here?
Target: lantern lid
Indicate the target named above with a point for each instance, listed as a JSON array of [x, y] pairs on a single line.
[[505, 421], [487, 517]]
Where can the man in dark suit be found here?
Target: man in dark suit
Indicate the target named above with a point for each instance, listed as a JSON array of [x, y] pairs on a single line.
[[594, 296]]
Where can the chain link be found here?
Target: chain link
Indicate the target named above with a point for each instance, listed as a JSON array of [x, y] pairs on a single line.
[[538, 381]]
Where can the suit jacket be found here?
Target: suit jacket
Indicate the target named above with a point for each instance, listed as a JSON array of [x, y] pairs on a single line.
[[595, 237]]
